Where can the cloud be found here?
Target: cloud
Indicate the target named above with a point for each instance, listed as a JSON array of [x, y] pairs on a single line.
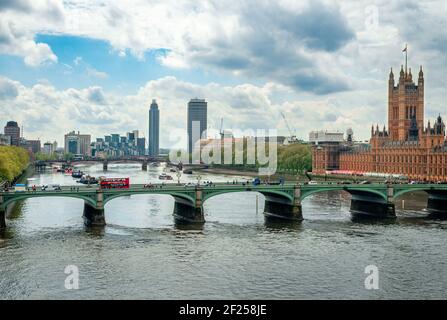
[[48, 112], [8, 89], [96, 95], [77, 61], [95, 73], [18, 28], [19, 5], [319, 47], [324, 63], [256, 39]]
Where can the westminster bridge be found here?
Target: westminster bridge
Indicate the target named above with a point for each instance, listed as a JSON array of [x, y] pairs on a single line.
[[282, 201]]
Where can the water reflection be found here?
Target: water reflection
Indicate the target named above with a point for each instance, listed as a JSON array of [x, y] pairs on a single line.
[[184, 226], [274, 226]]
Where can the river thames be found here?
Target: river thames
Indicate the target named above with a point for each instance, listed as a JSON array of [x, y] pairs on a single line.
[[143, 254]]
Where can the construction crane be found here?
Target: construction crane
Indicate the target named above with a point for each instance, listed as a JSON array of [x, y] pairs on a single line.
[[292, 138]]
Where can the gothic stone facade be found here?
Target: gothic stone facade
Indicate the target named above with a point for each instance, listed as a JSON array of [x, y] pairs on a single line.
[[406, 148]]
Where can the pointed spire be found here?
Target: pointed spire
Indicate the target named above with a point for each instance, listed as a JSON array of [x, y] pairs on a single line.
[[391, 74], [402, 73], [421, 73]]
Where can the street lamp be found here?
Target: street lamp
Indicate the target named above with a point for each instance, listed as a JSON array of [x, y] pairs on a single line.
[[199, 177], [178, 174]]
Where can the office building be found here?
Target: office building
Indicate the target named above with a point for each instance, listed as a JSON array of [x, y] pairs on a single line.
[[141, 146], [33, 145], [196, 121], [12, 129], [77, 143], [48, 148]]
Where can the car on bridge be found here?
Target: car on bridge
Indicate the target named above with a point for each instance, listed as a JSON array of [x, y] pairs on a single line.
[[56, 187], [190, 184]]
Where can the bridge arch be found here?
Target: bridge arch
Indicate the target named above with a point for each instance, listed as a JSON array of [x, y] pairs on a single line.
[[28, 195], [183, 196], [380, 193], [423, 188], [280, 202], [272, 193]]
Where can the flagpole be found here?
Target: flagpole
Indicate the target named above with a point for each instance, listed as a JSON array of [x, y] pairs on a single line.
[[406, 58]]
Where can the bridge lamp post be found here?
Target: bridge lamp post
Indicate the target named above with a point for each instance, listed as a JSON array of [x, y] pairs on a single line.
[[199, 177], [178, 174]]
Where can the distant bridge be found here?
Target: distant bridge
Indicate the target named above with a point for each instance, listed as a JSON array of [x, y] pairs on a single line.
[[144, 160], [282, 202]]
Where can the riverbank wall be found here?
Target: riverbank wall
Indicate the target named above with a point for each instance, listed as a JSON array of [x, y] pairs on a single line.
[[288, 175]]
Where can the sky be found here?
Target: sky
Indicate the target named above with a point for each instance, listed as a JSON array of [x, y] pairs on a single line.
[[94, 66]]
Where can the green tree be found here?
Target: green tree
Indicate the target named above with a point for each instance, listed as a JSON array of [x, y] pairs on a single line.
[[68, 156], [13, 161]]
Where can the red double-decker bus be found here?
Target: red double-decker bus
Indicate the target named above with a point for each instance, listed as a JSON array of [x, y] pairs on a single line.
[[114, 183]]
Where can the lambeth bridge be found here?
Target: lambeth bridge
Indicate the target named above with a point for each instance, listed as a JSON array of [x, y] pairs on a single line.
[[143, 160], [282, 202]]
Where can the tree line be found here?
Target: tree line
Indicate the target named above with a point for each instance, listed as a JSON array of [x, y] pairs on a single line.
[[294, 158], [13, 161]]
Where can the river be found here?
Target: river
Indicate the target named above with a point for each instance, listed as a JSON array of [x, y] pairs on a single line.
[[142, 254]]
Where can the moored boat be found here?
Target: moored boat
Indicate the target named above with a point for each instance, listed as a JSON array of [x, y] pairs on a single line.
[[77, 174], [88, 180], [164, 176]]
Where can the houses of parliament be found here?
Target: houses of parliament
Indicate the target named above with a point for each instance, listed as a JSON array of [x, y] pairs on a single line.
[[407, 147]]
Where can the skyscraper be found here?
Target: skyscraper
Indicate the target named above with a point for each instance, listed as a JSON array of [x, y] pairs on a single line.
[[154, 129], [13, 130], [197, 121]]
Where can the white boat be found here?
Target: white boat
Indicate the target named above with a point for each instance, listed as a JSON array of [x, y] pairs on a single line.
[[164, 176]]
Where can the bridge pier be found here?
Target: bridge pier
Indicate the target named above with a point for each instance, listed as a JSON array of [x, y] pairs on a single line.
[[3, 209], [2, 218], [437, 203], [186, 211], [144, 166], [280, 208], [370, 205], [94, 215]]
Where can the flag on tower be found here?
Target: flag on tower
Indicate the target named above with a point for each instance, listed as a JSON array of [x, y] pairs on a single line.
[[405, 49]]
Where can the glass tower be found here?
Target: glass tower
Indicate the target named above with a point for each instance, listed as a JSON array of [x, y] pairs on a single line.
[[197, 121]]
